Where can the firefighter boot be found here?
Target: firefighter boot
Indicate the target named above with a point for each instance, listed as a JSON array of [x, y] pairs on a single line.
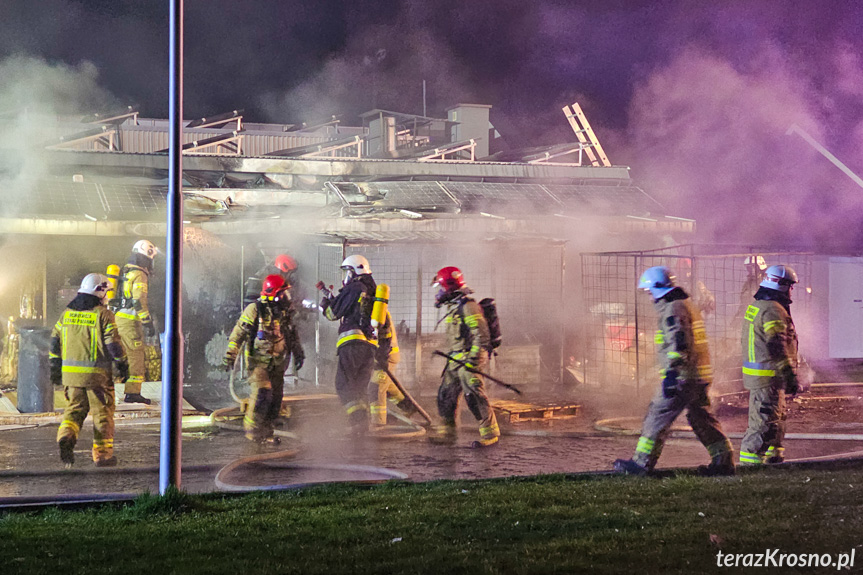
[[67, 455], [629, 467], [774, 455], [721, 460], [718, 467], [108, 462], [488, 442], [443, 434], [136, 398]]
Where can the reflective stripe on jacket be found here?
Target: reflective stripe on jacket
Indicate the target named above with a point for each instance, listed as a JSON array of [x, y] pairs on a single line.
[[352, 308], [466, 330], [81, 339], [268, 342], [136, 281], [681, 340], [769, 343]]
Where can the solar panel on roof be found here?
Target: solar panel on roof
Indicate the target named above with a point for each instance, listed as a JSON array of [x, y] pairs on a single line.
[[416, 195], [59, 199], [134, 199], [484, 196], [617, 200]]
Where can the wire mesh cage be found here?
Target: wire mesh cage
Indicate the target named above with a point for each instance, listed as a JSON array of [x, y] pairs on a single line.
[[619, 322]]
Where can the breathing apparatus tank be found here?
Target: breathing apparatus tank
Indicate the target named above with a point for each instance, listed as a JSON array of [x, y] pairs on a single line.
[[113, 273], [379, 309]]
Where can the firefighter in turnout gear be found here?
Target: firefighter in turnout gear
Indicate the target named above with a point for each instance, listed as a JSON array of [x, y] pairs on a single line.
[[769, 366], [684, 364], [266, 327], [133, 315], [382, 389], [83, 343], [468, 340], [356, 344]]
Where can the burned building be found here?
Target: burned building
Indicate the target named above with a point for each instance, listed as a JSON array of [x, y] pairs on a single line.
[[411, 193]]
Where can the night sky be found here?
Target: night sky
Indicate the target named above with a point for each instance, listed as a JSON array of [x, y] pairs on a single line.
[[696, 96]]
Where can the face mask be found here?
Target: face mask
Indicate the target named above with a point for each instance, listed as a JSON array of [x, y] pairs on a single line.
[[349, 275]]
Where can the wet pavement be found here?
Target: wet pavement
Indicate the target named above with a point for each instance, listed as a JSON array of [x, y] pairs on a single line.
[[30, 466]]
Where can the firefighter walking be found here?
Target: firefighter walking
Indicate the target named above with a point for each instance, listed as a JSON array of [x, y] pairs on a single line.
[[769, 365], [356, 344], [468, 340], [684, 362], [83, 343], [266, 327], [133, 316]]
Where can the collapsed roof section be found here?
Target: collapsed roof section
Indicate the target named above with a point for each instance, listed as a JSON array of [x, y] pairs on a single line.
[[396, 166], [613, 198]]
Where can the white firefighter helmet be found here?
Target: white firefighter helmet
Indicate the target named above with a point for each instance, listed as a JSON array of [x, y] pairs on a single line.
[[755, 261], [658, 280], [95, 284], [146, 248], [355, 265], [779, 278]]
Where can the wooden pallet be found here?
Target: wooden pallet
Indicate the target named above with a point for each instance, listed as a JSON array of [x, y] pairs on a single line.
[[516, 411]]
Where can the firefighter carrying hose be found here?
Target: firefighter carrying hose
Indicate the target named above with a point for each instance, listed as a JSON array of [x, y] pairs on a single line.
[[267, 328], [133, 315], [769, 366], [83, 343], [684, 360], [468, 340], [356, 344]]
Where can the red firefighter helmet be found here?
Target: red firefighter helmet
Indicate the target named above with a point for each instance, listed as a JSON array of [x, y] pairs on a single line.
[[286, 263], [449, 279], [274, 286]]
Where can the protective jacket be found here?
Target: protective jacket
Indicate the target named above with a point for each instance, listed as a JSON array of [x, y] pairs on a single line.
[[272, 336], [353, 308], [85, 340], [467, 332], [136, 280], [769, 341], [681, 340]]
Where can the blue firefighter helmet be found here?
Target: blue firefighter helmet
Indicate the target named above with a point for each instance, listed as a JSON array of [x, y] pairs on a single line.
[[658, 280], [779, 278]]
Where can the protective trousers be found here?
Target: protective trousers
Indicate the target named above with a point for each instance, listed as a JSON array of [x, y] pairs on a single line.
[[267, 385], [457, 380], [356, 363], [382, 388], [661, 415], [132, 335], [763, 437], [100, 402]]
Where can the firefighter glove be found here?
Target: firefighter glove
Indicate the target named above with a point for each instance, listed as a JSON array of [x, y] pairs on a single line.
[[792, 384], [299, 357], [149, 329], [228, 362], [669, 384], [122, 370], [56, 366]]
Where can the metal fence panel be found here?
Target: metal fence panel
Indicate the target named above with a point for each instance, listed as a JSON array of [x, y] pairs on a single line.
[[619, 322]]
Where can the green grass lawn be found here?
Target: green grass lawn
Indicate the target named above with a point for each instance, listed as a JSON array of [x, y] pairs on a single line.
[[547, 524]]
